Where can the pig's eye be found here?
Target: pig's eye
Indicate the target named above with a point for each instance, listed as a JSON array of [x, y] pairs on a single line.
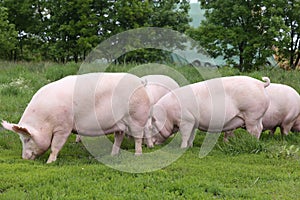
[[26, 140]]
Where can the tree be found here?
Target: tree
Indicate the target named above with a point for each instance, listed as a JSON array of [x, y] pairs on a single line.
[[243, 29], [75, 27], [26, 18], [8, 35], [65, 30], [172, 14], [288, 44], [131, 14]]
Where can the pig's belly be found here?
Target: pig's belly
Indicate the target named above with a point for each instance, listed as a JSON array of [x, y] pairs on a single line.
[[97, 127], [231, 124]]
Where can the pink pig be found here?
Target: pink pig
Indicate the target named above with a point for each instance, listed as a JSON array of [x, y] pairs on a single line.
[[156, 87], [283, 112], [215, 105], [90, 104], [284, 108]]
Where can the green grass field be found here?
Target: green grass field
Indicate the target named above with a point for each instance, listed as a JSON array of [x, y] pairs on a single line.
[[244, 168]]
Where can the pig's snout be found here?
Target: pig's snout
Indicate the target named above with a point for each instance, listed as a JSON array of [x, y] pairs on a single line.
[[28, 156]]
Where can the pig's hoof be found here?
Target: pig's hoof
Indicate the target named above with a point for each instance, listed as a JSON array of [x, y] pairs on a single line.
[[114, 154], [50, 161], [190, 146], [150, 146], [138, 154]]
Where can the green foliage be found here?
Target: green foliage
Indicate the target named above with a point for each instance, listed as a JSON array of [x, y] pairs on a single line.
[[135, 14], [288, 152], [73, 28], [63, 31], [55, 72], [8, 35], [25, 15], [288, 43], [246, 30]]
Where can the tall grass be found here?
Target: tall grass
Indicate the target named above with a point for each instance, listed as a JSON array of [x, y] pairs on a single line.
[[242, 142]]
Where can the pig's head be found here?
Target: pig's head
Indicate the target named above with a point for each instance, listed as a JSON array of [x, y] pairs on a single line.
[[159, 125], [33, 144]]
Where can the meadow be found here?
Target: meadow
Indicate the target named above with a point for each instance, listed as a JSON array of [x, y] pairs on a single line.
[[243, 168]]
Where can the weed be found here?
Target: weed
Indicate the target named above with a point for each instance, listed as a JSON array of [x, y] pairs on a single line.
[[285, 152], [242, 142], [288, 151]]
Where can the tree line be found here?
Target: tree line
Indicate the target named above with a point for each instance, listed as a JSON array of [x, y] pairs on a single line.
[[252, 31], [63, 30]]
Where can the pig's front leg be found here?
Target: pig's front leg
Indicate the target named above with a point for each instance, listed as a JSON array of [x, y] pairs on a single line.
[[187, 131], [148, 136], [137, 134], [286, 128], [138, 146], [192, 137], [119, 136], [58, 141], [254, 127]]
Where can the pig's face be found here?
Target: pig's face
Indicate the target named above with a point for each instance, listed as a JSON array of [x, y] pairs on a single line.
[[155, 132], [32, 147], [34, 143], [158, 139], [158, 121]]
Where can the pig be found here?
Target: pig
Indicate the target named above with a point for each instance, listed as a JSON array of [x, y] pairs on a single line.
[[90, 104], [219, 104], [284, 108], [156, 87], [283, 112]]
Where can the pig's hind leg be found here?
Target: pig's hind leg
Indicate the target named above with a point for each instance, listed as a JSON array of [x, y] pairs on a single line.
[[285, 128], [254, 127]]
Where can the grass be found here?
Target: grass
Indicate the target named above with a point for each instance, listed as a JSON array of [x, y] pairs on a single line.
[[243, 168]]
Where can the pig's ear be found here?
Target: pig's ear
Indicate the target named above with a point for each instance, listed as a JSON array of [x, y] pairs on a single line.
[[16, 128], [21, 130], [159, 117], [153, 119]]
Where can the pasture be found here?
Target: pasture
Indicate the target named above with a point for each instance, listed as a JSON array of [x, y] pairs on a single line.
[[243, 168]]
